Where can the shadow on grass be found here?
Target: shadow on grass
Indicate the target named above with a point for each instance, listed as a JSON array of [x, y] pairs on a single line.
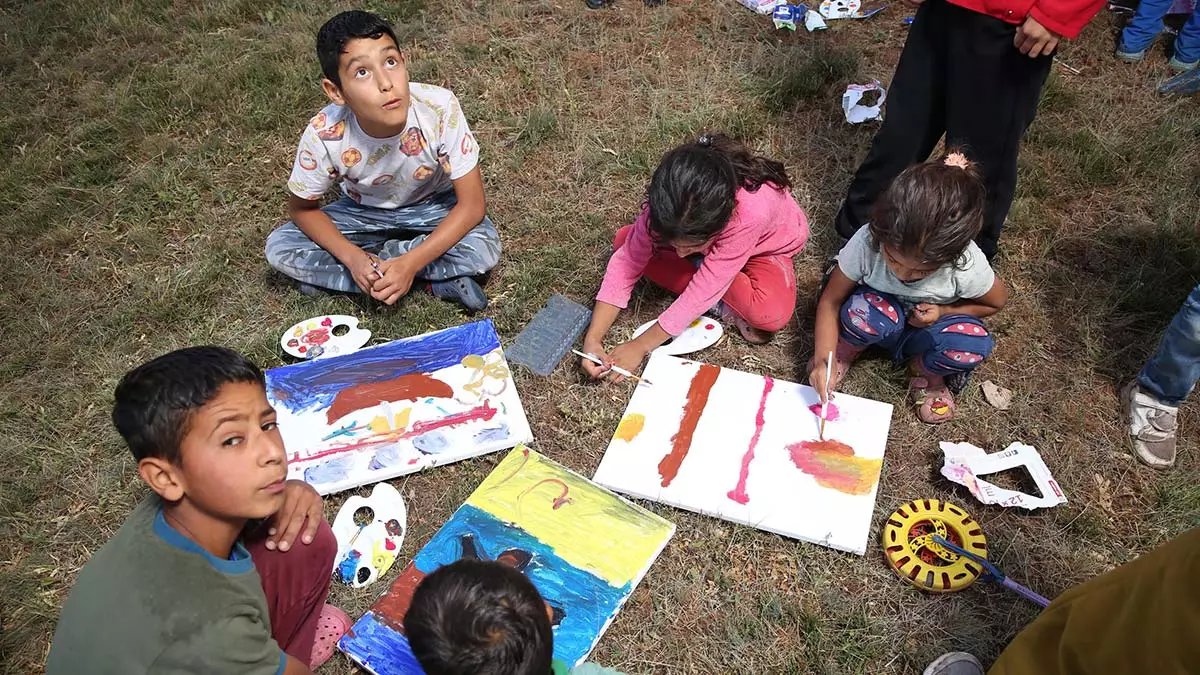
[[1115, 291]]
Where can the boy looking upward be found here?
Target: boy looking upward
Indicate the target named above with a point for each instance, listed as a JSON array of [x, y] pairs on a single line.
[[413, 205]]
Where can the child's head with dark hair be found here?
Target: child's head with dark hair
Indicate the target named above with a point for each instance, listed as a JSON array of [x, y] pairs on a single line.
[[199, 424], [929, 215], [155, 401], [476, 617], [365, 71], [337, 32], [693, 191]]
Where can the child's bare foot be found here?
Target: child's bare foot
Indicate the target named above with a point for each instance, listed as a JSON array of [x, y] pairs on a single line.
[[935, 403], [755, 336]]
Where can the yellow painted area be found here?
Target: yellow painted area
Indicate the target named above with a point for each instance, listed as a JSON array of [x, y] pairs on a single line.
[[379, 425], [630, 426], [592, 528]]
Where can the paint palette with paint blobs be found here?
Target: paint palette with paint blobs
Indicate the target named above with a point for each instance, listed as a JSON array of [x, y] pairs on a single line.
[[700, 334], [369, 531], [323, 336]]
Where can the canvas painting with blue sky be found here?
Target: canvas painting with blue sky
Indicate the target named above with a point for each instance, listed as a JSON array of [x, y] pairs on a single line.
[[397, 408], [584, 548]]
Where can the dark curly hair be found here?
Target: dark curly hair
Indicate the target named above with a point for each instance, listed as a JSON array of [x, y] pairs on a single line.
[[931, 211]]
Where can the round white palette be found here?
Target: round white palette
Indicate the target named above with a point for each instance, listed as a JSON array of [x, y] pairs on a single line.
[[323, 336], [701, 333]]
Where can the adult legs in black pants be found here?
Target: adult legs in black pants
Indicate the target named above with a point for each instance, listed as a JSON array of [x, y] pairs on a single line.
[[961, 76]]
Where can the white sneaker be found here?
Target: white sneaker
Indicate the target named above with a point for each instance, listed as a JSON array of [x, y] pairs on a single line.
[[1152, 426], [955, 663]]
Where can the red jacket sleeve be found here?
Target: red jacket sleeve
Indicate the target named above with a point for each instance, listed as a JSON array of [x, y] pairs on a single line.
[[1065, 17]]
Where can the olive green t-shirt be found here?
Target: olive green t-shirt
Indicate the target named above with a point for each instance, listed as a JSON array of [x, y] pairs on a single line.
[[152, 601], [1142, 618]]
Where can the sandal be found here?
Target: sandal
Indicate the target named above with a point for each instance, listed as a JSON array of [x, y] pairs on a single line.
[[935, 403], [333, 624], [843, 357]]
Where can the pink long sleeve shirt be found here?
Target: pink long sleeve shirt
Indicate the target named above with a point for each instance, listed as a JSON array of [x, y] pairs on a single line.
[[765, 222]]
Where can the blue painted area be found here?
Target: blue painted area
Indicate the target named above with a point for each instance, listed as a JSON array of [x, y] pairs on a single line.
[[432, 442], [314, 384], [332, 471], [386, 456], [377, 647], [349, 566], [492, 435], [586, 601]]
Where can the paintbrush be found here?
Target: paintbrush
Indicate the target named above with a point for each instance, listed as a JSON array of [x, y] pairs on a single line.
[[375, 265], [616, 369], [825, 403]]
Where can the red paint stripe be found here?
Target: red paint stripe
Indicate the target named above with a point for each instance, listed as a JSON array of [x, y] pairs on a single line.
[[681, 442], [484, 412], [738, 494]]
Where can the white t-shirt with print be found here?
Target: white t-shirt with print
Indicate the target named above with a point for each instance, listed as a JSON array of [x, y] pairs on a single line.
[[435, 148], [971, 278]]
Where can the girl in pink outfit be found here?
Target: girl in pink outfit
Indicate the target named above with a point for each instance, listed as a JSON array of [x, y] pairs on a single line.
[[719, 229]]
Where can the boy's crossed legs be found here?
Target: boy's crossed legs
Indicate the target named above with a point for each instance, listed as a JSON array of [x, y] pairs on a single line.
[[389, 233], [955, 344]]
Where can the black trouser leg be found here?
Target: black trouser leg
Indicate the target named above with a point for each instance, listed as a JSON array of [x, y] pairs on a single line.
[[914, 118], [993, 97]]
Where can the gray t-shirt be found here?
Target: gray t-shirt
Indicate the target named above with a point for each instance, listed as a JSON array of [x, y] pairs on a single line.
[[970, 278], [153, 601]]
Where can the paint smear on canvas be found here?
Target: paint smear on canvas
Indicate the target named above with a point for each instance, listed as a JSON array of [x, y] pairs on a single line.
[[833, 411], [693, 408], [631, 425], [403, 388], [739, 494], [834, 465], [601, 534]]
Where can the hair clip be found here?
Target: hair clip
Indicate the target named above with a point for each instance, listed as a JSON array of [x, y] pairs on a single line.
[[957, 159], [705, 140]]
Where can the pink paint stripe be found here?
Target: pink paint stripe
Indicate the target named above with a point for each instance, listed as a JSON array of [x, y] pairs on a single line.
[[738, 494], [484, 412]]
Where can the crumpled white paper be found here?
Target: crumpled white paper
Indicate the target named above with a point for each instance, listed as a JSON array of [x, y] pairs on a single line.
[[761, 6], [965, 463], [856, 113]]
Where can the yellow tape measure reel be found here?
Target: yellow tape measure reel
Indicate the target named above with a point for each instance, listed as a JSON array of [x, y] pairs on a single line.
[[911, 551]]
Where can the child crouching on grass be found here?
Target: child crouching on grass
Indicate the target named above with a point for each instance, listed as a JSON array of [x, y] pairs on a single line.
[[226, 567], [914, 283], [719, 229], [482, 617]]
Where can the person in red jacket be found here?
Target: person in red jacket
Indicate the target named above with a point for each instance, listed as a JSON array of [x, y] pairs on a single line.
[[972, 70]]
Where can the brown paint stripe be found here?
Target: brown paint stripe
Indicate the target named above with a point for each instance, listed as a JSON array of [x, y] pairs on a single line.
[[681, 442]]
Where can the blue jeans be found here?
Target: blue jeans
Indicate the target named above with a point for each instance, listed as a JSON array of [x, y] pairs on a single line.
[[1147, 23], [1171, 373], [955, 343], [388, 233]]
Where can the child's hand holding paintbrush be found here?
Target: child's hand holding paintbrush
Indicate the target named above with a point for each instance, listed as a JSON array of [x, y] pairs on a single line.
[[625, 358]]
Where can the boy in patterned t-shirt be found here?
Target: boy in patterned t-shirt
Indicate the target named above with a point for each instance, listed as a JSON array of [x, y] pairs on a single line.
[[413, 204]]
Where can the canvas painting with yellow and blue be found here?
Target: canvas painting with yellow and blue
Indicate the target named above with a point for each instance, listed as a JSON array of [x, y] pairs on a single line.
[[584, 548]]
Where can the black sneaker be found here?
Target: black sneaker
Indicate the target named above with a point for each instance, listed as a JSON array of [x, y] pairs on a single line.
[[462, 290]]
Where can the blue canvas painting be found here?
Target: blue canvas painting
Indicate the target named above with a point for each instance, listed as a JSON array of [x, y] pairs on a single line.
[[584, 548], [397, 408]]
